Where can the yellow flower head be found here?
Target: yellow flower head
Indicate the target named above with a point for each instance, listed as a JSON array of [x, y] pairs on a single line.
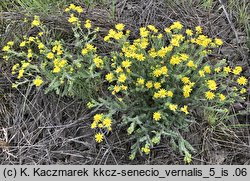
[[207, 69], [237, 70], [185, 80], [109, 77], [140, 81], [170, 94], [38, 81], [99, 137], [87, 24], [185, 109], [218, 41], [243, 90], [176, 25], [120, 26], [211, 84], [157, 116], [107, 122], [36, 21], [198, 29], [73, 20], [242, 80], [209, 95], [126, 63], [122, 78], [173, 107], [222, 97], [157, 85], [50, 55], [98, 117], [149, 84], [189, 32], [227, 69]]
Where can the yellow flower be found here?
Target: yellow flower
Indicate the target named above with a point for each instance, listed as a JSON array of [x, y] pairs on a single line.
[[242, 80], [50, 55], [149, 84], [153, 28], [227, 69], [10, 43], [84, 51], [175, 42], [201, 73], [36, 21], [157, 72], [123, 87], [126, 63], [38, 81], [107, 122], [98, 62], [22, 44], [162, 93], [218, 41], [117, 88], [209, 95], [122, 78], [167, 30], [185, 109], [146, 149], [140, 81], [98, 117], [170, 94], [237, 70], [176, 25], [189, 32], [99, 137], [198, 29], [185, 80], [25, 64], [79, 9], [175, 60], [243, 90], [93, 125], [87, 24], [144, 32], [157, 85], [222, 97], [109, 77], [157, 116], [140, 57], [20, 73], [6, 48], [173, 107], [217, 70], [190, 63], [186, 90], [73, 19], [118, 70], [212, 84], [120, 26], [207, 69], [41, 46], [56, 69]]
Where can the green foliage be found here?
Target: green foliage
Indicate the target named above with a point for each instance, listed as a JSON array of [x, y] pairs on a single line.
[[32, 6], [159, 80], [67, 69], [155, 83]]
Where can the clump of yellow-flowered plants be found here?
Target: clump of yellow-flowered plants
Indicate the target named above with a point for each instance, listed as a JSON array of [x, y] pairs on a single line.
[[155, 81]]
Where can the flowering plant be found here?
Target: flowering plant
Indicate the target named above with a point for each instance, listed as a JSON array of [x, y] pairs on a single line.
[[158, 81], [64, 67]]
